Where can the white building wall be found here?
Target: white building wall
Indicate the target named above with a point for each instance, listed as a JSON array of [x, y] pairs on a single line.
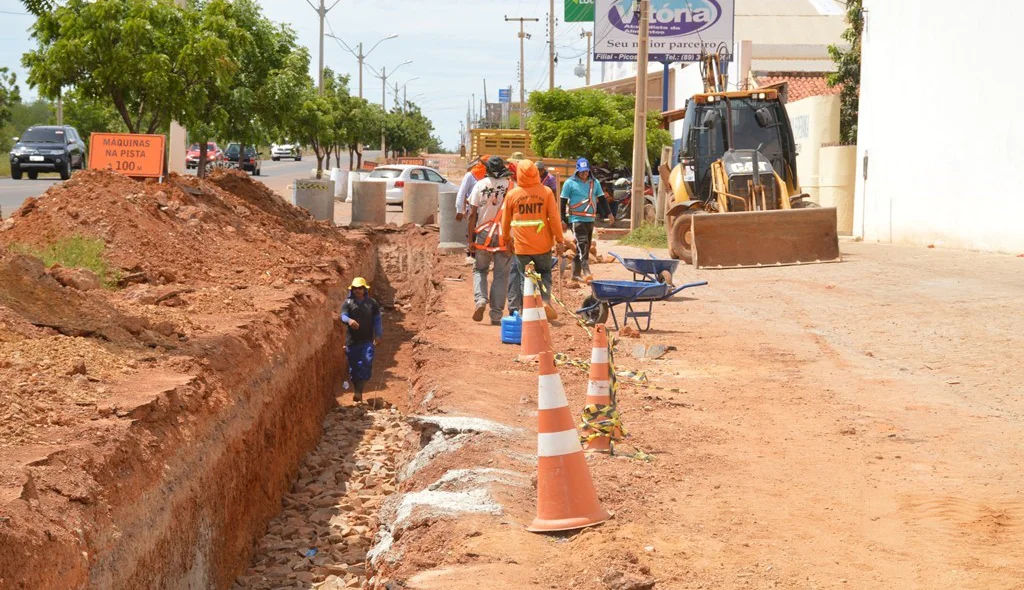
[[940, 125]]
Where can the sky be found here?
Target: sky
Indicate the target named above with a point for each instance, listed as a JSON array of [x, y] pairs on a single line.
[[454, 45]]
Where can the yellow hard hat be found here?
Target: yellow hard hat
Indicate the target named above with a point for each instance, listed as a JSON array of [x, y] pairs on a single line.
[[359, 282]]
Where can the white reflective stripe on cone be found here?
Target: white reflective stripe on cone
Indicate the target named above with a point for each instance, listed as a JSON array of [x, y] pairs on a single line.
[[599, 355], [528, 289], [533, 314], [556, 444], [550, 393], [598, 388]]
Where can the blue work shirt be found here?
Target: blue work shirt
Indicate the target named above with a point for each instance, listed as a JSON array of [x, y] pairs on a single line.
[[577, 193]]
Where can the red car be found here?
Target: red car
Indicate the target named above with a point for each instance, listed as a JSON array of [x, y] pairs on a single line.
[[213, 154]]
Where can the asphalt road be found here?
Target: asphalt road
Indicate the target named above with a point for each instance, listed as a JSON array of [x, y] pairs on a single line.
[[276, 175]]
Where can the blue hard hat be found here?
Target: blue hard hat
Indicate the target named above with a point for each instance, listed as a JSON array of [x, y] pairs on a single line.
[[582, 165]]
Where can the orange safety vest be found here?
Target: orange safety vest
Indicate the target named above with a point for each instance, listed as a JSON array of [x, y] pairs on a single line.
[[585, 208], [488, 236]]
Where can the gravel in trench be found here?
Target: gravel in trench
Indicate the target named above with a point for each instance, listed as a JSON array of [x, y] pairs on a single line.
[[320, 539]]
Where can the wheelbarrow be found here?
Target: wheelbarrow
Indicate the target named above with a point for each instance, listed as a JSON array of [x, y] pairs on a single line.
[[651, 270], [633, 294]]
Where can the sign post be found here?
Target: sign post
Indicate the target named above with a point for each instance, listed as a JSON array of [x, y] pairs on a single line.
[[131, 154]]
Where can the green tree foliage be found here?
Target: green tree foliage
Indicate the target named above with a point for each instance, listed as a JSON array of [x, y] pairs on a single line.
[[9, 95], [23, 116], [38, 7], [408, 131], [591, 124], [138, 53], [90, 115], [363, 125], [847, 72]]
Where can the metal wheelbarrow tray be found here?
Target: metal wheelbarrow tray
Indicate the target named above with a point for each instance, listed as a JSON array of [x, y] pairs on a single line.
[[651, 269], [609, 293]]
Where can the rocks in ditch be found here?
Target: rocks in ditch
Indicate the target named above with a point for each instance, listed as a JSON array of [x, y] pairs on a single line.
[[332, 506]]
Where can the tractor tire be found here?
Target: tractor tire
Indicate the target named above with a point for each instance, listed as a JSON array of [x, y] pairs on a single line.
[[680, 242]]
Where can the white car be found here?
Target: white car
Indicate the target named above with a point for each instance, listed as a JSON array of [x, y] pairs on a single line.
[[396, 175], [285, 150]]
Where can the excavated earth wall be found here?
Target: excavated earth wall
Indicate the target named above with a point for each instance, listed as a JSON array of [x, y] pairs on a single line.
[[157, 426]]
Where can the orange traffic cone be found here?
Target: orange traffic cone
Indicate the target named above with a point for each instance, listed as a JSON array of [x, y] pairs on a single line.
[[566, 499], [599, 386], [536, 338]]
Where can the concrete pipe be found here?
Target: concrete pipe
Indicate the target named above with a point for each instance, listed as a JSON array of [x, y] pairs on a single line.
[[315, 196], [340, 178], [369, 204], [838, 172], [453, 233], [419, 202]]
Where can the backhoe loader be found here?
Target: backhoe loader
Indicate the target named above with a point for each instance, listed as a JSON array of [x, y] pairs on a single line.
[[736, 195]]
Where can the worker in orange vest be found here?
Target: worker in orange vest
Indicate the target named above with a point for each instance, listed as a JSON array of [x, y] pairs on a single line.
[[487, 202], [531, 223]]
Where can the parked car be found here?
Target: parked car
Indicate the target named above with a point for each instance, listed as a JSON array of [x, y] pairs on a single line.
[[251, 161], [397, 175], [213, 154], [285, 150], [47, 148]]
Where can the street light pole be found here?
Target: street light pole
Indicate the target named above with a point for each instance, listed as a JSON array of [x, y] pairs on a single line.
[[360, 56], [383, 101], [321, 11]]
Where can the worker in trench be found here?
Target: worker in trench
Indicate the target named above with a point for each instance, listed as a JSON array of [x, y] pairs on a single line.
[[361, 314]]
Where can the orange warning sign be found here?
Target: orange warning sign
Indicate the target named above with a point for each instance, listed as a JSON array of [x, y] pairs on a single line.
[[130, 154]]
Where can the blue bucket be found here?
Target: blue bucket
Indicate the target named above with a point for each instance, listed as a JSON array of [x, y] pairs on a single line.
[[512, 329]]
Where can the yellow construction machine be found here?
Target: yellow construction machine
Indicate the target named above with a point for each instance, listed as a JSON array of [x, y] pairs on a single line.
[[737, 201]]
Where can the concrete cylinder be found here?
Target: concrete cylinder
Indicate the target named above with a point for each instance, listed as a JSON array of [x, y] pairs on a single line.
[[453, 233], [419, 202], [837, 170], [315, 196], [355, 176], [340, 186], [369, 204]]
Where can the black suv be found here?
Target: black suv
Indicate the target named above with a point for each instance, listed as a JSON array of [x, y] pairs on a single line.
[[251, 162], [47, 148]]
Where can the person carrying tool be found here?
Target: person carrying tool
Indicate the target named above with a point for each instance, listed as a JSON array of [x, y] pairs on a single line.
[[580, 195], [474, 173], [533, 227], [365, 329], [486, 204]]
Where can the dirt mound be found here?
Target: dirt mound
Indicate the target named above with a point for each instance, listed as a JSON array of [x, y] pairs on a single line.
[[185, 230]]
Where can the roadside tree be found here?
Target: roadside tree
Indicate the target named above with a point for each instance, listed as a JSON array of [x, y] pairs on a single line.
[[591, 124]]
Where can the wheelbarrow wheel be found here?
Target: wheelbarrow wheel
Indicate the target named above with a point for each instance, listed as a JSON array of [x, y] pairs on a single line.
[[598, 312]]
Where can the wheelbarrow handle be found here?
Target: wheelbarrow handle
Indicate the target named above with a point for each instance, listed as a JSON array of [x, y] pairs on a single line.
[[617, 257], [686, 286]]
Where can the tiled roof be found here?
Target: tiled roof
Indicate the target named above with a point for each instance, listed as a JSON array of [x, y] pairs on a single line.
[[799, 84]]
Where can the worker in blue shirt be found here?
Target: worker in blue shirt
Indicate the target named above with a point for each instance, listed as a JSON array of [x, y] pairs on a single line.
[[365, 329], [579, 205]]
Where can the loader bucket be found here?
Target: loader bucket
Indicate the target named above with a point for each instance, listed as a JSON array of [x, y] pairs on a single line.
[[765, 238]]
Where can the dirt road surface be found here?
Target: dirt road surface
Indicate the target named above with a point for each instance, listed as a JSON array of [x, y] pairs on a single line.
[[853, 425]]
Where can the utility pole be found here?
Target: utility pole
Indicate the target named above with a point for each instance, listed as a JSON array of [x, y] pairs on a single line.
[[588, 35], [551, 46], [384, 101], [486, 114], [522, 66], [640, 119], [321, 11], [176, 142]]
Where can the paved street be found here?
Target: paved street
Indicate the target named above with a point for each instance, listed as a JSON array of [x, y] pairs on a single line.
[[276, 175]]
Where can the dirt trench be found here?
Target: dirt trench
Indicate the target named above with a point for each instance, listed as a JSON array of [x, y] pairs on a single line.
[[164, 461]]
